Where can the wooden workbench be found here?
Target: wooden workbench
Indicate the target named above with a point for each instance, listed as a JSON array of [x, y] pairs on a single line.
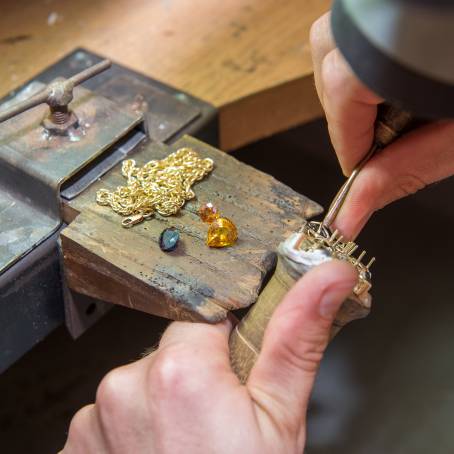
[[250, 58]]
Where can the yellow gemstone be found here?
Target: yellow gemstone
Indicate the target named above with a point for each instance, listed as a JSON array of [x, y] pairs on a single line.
[[208, 213], [222, 233]]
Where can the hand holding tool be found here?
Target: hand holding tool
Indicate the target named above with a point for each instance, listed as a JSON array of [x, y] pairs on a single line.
[[313, 245], [390, 123]]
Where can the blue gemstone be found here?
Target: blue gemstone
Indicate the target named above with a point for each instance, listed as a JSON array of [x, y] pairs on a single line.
[[168, 240]]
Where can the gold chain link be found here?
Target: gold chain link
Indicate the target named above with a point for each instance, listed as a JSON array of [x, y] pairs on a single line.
[[159, 186]]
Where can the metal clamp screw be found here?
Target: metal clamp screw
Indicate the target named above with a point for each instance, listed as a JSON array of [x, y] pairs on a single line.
[[57, 95]]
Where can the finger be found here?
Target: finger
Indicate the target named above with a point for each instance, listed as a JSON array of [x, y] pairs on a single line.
[[205, 343], [296, 337], [190, 369], [417, 159], [322, 43], [196, 334], [351, 109], [189, 354], [84, 433]]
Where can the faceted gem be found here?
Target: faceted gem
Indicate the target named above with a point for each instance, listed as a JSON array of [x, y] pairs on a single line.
[[208, 213], [222, 233], [168, 240]]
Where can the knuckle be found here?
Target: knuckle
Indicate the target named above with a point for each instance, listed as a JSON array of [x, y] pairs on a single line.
[[339, 80], [305, 351], [80, 424], [169, 370], [173, 374], [306, 358], [371, 186], [318, 31], [409, 184], [378, 188], [112, 395], [333, 78], [308, 352], [371, 189]]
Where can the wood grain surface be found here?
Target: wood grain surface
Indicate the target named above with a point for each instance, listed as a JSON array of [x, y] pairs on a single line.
[[250, 58], [126, 266], [247, 337]]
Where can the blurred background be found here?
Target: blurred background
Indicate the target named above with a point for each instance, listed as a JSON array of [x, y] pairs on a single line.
[[386, 384]]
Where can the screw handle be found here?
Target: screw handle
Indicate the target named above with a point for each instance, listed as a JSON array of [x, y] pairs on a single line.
[[90, 72], [57, 93], [22, 106]]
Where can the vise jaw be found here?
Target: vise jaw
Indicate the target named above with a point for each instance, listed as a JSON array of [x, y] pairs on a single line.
[[44, 147], [49, 156]]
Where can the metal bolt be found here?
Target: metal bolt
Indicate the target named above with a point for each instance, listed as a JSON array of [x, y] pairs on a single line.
[[57, 95]]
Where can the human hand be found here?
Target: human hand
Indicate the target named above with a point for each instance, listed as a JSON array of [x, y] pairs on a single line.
[[419, 158], [184, 397]]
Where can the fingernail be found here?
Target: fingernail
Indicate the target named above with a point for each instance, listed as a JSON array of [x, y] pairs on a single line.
[[333, 298]]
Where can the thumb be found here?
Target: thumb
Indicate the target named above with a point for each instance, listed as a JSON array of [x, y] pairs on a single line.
[[296, 337]]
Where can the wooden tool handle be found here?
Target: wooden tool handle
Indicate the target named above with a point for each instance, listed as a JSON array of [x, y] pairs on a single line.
[[247, 337], [391, 121]]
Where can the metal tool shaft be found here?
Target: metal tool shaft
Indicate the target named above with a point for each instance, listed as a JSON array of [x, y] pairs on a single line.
[[86, 74], [22, 106], [390, 123], [50, 91], [343, 192]]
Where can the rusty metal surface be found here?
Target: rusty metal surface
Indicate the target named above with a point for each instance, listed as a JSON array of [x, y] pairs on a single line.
[[192, 115], [82, 312], [165, 116], [119, 151], [24, 143], [22, 226], [57, 95], [31, 304], [33, 165]]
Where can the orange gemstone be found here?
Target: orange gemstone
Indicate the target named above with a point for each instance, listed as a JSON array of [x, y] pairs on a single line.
[[208, 213], [222, 233]]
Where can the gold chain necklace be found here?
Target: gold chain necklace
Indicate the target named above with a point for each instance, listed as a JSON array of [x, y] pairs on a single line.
[[159, 186]]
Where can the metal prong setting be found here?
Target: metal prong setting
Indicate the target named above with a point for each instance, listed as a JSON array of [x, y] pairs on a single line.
[[315, 235]]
